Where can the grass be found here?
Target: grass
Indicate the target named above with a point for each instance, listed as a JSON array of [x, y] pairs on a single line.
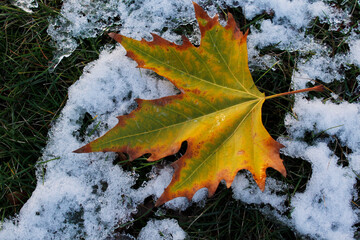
[[31, 98]]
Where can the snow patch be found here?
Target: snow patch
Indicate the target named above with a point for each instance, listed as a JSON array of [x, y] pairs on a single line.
[[330, 188], [26, 5], [246, 190], [136, 19], [162, 230], [341, 120], [355, 52]]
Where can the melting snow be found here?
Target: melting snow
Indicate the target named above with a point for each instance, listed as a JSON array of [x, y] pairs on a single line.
[[90, 18], [86, 195], [26, 5], [162, 230]]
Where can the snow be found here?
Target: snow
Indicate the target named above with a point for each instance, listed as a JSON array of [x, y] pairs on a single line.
[[90, 18], [341, 120], [326, 203], [87, 196], [355, 51], [246, 190], [162, 230], [26, 5]]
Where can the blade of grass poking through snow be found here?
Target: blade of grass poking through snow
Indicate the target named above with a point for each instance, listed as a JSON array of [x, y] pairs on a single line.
[[218, 112], [266, 72]]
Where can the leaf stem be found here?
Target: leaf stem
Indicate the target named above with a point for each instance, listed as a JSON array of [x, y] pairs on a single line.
[[318, 88]]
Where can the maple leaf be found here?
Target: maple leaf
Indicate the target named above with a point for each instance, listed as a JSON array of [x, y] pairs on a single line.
[[218, 111]]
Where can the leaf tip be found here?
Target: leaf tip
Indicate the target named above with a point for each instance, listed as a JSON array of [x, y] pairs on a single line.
[[198, 9], [116, 36], [157, 41], [261, 183], [84, 149], [245, 35], [231, 22], [160, 202], [204, 20], [185, 43], [165, 197], [112, 35]]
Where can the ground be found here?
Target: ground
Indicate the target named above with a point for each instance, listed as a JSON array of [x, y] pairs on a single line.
[[64, 82]]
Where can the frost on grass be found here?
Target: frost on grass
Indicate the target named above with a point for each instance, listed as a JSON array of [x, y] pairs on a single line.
[[87, 196]]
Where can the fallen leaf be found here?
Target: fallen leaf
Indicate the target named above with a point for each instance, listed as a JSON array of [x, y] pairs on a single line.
[[218, 111]]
